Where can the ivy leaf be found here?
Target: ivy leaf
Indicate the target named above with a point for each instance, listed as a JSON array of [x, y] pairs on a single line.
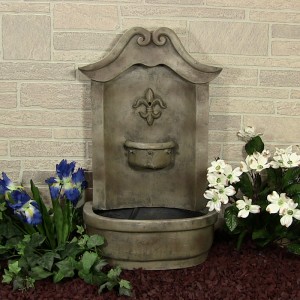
[[114, 273], [14, 267], [294, 248], [66, 269], [124, 288], [230, 216], [94, 241], [39, 272], [254, 145], [88, 259], [47, 260]]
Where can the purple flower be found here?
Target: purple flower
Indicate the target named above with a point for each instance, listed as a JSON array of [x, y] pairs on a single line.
[[63, 169], [6, 184], [73, 195], [78, 179], [30, 213], [19, 198]]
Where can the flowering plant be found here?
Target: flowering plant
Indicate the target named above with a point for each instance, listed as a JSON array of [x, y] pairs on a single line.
[[264, 193], [41, 242]]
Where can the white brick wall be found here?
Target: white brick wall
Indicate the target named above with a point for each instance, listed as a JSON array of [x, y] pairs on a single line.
[[45, 109]]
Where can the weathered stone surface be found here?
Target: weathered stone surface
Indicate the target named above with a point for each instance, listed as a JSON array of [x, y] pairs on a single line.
[[83, 41], [6, 87], [224, 122], [6, 165], [233, 152], [236, 76], [288, 108], [47, 149], [85, 16], [31, 38], [83, 56], [286, 48], [72, 133], [273, 129], [174, 2], [236, 60], [271, 16], [46, 118], [8, 100], [229, 38], [56, 95], [295, 94], [37, 176], [45, 164], [250, 92], [233, 105], [3, 148], [36, 71], [214, 151], [286, 31], [20, 7], [274, 4], [179, 26], [222, 136], [187, 12], [280, 78], [24, 132]]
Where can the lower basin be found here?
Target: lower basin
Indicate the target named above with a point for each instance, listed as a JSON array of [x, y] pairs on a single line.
[[152, 238]]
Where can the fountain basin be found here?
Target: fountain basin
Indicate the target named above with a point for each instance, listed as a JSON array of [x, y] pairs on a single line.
[[181, 240]]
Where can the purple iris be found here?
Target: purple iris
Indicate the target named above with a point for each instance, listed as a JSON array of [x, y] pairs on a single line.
[[63, 169], [73, 195], [78, 178], [5, 183], [29, 213], [19, 199]]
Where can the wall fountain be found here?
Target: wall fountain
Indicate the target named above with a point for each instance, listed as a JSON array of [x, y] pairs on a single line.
[[150, 135]]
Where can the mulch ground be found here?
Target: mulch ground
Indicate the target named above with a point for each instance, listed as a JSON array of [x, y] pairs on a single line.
[[252, 273]]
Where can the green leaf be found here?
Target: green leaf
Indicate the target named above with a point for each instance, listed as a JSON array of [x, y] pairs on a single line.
[[290, 176], [58, 221], [114, 273], [294, 248], [66, 269], [245, 185], [94, 241], [47, 260], [18, 283], [80, 229], [7, 278], [254, 145], [230, 216], [124, 288], [88, 259], [241, 239], [39, 272], [14, 267], [71, 250], [260, 234], [48, 227], [293, 189]]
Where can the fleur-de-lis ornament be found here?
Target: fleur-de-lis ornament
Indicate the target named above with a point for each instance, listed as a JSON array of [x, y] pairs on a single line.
[[150, 101]]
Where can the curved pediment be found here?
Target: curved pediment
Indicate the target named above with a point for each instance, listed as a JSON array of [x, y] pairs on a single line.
[[139, 46]]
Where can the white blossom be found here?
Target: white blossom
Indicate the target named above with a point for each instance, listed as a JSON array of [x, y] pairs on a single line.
[[245, 207], [217, 166], [289, 213], [225, 192], [214, 202], [285, 158], [247, 133], [232, 175], [257, 161], [278, 203], [216, 180]]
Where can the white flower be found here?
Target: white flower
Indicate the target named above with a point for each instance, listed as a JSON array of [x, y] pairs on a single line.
[[258, 161], [232, 175], [245, 207], [216, 180], [278, 203], [225, 192], [243, 167], [217, 166], [215, 201], [285, 158], [289, 213], [248, 133]]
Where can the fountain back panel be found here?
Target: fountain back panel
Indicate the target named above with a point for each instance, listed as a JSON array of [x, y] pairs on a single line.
[[150, 134]]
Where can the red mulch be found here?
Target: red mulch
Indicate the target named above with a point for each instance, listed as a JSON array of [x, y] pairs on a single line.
[[227, 274]]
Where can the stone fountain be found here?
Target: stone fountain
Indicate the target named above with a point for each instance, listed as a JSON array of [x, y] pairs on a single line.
[[150, 136]]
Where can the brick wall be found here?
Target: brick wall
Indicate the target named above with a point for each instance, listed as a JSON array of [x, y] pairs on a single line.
[[45, 109]]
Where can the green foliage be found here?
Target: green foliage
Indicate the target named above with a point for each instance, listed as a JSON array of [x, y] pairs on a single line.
[[57, 247], [254, 145]]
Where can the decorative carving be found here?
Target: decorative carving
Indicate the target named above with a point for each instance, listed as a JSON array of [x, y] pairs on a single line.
[[150, 101]]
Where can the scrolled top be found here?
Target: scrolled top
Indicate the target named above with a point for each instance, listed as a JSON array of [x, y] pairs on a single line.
[[149, 48]]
